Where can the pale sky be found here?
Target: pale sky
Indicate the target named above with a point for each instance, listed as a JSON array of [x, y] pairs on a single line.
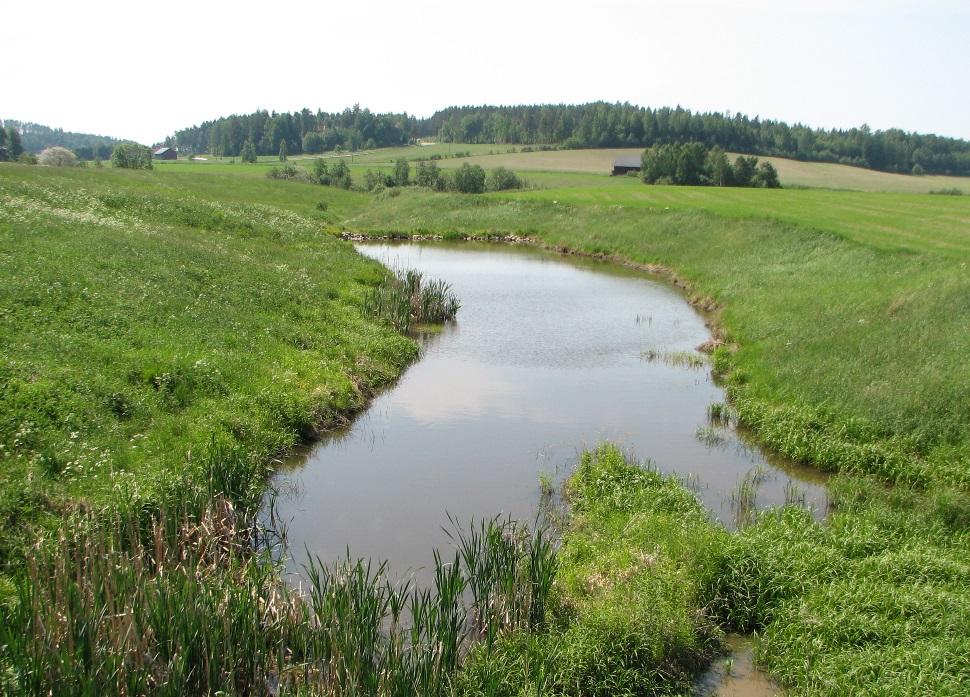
[[143, 69]]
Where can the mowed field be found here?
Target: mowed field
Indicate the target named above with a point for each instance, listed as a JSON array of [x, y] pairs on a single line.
[[546, 168], [791, 172], [898, 221]]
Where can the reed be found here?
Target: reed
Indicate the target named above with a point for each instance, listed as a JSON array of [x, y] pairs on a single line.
[[195, 603], [404, 298]]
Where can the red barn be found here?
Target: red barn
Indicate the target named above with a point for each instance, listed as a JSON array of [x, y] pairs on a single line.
[[165, 154]]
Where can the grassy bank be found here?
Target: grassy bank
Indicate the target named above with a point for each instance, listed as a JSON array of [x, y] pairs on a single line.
[[629, 609], [145, 328], [874, 601]]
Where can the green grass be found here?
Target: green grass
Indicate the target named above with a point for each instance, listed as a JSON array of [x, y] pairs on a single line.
[[141, 324], [874, 601], [892, 221], [157, 324], [629, 604]]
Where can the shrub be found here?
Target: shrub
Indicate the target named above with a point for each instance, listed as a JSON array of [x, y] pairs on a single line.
[[285, 172], [430, 176], [131, 156], [469, 179], [502, 179]]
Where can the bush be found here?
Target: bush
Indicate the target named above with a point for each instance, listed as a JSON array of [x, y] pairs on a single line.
[[502, 179], [27, 158], [402, 172], [430, 176], [337, 174], [286, 172], [131, 156], [57, 157], [469, 179]]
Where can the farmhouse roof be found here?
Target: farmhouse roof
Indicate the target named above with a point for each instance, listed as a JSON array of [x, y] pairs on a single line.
[[628, 161], [161, 151]]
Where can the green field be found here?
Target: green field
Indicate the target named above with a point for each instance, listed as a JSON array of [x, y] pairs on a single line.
[[155, 321]]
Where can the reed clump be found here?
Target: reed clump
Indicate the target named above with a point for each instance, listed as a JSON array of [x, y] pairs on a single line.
[[405, 299], [195, 603]]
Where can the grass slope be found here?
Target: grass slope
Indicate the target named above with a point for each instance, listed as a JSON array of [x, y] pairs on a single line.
[[141, 325]]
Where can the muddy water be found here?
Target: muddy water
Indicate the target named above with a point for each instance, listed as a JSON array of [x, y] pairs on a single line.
[[735, 674], [546, 358]]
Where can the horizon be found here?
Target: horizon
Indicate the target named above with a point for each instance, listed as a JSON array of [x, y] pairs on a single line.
[[822, 63]]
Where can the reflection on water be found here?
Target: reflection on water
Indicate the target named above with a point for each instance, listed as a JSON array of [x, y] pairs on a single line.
[[546, 358]]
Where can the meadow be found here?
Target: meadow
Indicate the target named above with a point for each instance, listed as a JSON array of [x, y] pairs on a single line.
[[168, 333]]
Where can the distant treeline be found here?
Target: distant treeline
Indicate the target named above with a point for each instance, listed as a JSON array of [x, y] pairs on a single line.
[[602, 125], [302, 132], [577, 126], [36, 137]]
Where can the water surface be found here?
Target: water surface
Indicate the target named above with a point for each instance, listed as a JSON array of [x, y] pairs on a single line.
[[546, 358]]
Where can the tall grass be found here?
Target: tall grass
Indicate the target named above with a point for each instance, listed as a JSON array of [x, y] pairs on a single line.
[[194, 603], [404, 298]]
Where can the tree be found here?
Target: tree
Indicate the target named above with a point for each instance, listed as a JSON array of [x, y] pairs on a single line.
[[15, 147], [131, 156], [690, 164], [282, 151], [57, 157], [744, 168], [719, 170], [469, 179], [313, 143], [766, 177], [402, 172], [248, 152]]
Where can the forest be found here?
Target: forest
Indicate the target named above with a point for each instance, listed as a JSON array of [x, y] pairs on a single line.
[[594, 125], [35, 137]]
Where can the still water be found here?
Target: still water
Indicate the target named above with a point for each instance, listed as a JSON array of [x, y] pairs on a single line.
[[546, 358]]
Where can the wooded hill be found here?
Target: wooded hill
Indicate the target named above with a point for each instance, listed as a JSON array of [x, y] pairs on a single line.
[[35, 137], [592, 125]]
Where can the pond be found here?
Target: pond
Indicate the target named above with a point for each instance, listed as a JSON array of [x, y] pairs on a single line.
[[548, 355]]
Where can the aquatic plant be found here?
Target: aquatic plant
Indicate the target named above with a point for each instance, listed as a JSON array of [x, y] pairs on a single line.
[[193, 602], [404, 298]]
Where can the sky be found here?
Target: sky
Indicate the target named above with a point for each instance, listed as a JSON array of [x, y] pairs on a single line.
[[144, 69]]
